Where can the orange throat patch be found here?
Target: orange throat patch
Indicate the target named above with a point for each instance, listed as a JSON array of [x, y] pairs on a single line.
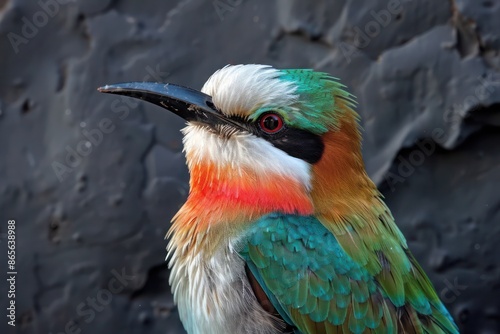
[[224, 200]]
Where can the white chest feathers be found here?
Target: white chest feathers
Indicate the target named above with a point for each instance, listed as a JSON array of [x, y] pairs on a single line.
[[214, 296]]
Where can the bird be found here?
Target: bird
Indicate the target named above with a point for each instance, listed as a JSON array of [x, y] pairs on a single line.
[[283, 231]]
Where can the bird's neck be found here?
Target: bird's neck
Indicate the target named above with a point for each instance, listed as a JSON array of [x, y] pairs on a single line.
[[340, 184], [223, 200], [349, 205]]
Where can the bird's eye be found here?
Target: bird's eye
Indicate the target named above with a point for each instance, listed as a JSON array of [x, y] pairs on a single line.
[[271, 123]]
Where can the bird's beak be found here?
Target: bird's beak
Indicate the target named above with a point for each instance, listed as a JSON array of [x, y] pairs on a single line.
[[190, 104]]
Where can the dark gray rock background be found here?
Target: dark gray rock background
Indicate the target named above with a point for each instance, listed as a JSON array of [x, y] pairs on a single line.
[[428, 84]]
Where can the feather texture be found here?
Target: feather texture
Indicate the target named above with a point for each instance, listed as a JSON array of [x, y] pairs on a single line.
[[346, 298]]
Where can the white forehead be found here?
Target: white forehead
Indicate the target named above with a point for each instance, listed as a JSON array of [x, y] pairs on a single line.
[[241, 89]]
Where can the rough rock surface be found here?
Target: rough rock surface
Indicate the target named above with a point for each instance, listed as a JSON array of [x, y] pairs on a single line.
[[90, 225]]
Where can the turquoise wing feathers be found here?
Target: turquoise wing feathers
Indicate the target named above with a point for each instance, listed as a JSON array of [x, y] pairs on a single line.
[[316, 287]]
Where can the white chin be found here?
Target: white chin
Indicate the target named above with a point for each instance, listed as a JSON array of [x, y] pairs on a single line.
[[242, 151]]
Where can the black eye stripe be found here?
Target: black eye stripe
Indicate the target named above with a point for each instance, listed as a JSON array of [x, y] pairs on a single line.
[[295, 142], [299, 144]]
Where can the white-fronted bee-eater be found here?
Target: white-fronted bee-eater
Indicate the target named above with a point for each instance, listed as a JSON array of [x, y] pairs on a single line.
[[283, 231]]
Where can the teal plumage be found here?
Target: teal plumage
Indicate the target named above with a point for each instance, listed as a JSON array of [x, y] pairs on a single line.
[[316, 286], [314, 109]]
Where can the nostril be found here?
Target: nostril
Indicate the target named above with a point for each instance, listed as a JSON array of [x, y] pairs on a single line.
[[211, 105]]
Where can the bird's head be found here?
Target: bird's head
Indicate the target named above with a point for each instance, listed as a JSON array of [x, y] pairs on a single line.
[[260, 139]]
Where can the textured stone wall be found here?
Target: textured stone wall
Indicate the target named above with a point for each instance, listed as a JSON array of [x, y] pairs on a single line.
[[93, 180]]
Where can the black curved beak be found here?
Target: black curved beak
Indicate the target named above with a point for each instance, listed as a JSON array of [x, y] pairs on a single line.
[[190, 104]]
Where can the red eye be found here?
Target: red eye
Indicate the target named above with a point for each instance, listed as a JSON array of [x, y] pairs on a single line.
[[271, 123]]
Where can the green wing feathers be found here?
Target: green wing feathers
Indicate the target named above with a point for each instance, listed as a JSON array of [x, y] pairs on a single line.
[[317, 287]]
